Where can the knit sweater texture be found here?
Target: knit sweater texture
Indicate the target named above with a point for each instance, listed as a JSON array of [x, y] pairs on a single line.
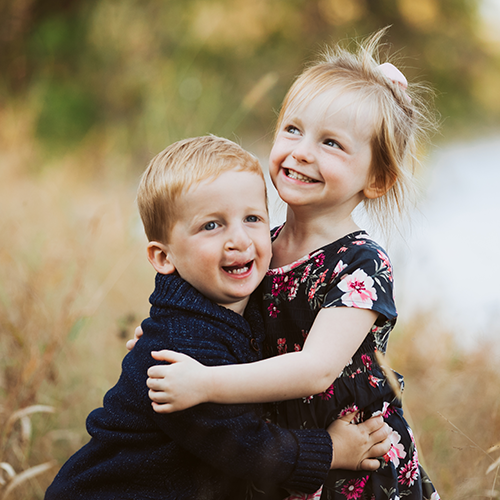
[[206, 452]]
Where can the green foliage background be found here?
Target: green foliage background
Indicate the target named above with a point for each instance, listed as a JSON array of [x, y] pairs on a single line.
[[133, 76]]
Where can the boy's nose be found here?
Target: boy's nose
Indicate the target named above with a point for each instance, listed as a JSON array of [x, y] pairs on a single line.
[[238, 239]]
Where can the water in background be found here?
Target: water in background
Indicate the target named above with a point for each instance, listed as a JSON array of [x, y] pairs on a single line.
[[448, 265]]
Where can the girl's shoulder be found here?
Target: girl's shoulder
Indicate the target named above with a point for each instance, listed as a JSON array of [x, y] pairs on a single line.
[[356, 246]]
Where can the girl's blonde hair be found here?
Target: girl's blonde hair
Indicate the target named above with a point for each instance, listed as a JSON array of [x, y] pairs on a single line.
[[178, 167], [401, 123]]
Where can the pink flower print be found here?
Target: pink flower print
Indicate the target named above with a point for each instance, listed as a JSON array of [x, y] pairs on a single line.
[[325, 396], [386, 262], [353, 488], [342, 249], [318, 282], [273, 310], [359, 290], [319, 259], [367, 361], [349, 409], [359, 242], [374, 381], [280, 284], [305, 333], [337, 270], [409, 473], [387, 410], [292, 290], [296, 347], [397, 450], [306, 273], [282, 348]]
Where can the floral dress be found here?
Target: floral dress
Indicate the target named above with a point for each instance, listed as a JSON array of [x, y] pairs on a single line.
[[353, 271]]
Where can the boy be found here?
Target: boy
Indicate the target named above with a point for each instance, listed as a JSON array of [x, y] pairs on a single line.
[[203, 205]]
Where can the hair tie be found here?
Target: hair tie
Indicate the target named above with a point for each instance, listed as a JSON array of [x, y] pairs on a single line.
[[390, 71]]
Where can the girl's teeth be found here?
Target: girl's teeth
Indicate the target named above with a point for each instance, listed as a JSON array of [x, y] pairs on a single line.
[[299, 177], [240, 270]]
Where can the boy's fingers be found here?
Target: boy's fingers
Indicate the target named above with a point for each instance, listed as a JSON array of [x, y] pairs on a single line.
[[380, 449], [370, 464], [380, 434], [373, 424]]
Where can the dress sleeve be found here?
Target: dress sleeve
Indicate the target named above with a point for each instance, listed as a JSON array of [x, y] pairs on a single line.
[[362, 277], [232, 438]]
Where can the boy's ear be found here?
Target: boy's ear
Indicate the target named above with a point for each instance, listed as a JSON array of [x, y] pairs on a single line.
[[159, 258], [376, 188]]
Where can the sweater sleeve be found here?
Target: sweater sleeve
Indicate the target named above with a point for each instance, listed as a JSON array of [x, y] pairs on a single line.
[[232, 438]]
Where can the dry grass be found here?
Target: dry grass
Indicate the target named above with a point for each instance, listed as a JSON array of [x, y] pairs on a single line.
[[74, 282]]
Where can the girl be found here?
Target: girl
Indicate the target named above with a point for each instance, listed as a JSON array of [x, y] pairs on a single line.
[[347, 133]]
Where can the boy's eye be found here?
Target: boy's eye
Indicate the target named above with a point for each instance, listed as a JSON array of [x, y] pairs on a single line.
[[252, 218], [210, 226], [332, 143]]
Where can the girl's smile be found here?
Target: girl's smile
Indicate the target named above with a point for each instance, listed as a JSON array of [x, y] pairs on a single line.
[[322, 154]]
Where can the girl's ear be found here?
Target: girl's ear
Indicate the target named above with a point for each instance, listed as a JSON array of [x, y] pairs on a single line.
[[159, 258], [377, 188]]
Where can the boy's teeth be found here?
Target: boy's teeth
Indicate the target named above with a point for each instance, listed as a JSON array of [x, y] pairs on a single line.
[[295, 175], [239, 270]]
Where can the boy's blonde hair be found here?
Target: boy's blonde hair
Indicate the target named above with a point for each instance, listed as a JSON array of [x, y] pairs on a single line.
[[180, 166], [400, 123]]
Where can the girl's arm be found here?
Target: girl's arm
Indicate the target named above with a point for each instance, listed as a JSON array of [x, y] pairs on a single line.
[[335, 336]]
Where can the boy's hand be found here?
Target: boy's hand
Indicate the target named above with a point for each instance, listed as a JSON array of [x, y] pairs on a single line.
[[137, 335], [180, 385], [355, 447]]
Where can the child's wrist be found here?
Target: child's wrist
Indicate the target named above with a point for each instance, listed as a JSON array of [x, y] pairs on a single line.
[[332, 466]]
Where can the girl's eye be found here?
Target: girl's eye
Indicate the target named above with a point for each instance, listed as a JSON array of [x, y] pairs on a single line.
[[332, 143], [252, 218], [210, 226], [292, 130]]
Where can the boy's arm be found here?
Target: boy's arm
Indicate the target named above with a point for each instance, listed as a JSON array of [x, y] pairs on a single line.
[[235, 440], [335, 336]]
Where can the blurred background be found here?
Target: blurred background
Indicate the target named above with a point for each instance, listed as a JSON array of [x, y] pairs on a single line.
[[91, 90]]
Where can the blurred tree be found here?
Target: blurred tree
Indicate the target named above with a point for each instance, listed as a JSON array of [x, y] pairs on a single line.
[[141, 74]]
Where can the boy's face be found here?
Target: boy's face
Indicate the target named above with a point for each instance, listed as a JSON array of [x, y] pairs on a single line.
[[221, 243]]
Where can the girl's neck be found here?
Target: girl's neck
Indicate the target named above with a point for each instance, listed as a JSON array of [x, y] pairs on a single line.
[[302, 234]]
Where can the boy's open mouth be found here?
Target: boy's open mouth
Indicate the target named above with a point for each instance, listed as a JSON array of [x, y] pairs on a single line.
[[299, 177], [238, 269]]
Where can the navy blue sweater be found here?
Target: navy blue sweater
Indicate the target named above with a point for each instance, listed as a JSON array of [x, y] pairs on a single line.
[[206, 452]]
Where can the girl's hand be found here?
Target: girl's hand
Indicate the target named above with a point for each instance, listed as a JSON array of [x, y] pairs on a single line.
[[137, 335], [356, 447], [180, 385]]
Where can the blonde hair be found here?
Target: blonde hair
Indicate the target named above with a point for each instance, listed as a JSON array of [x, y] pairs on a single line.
[[401, 123], [180, 166]]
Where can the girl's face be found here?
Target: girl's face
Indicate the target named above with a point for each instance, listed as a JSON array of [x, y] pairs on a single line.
[[322, 154]]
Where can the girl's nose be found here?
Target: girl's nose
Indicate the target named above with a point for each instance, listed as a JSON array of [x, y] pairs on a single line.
[[303, 152]]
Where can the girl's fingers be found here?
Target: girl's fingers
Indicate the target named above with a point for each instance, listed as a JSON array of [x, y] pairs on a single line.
[[138, 333], [162, 408], [167, 355]]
